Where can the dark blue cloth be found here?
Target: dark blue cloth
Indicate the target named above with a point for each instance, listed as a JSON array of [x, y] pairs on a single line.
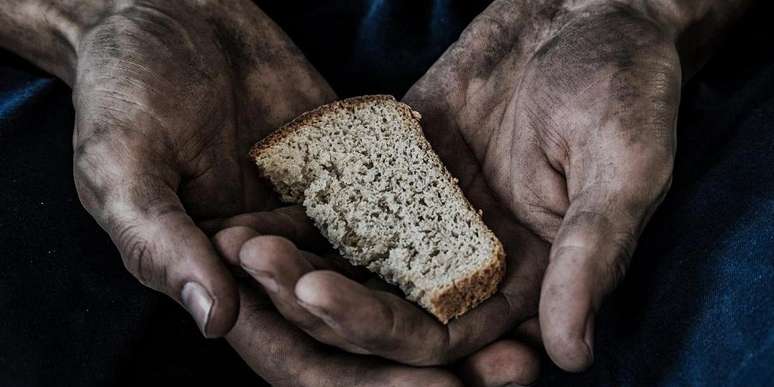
[[697, 307]]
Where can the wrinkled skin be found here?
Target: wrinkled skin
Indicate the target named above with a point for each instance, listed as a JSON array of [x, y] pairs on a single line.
[[277, 350], [558, 120], [344, 307], [560, 124], [167, 104], [570, 115], [285, 356], [169, 98]]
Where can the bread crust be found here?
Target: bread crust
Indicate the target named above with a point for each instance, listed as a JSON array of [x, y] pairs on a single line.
[[304, 118], [464, 294]]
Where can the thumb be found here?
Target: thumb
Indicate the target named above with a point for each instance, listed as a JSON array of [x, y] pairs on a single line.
[[588, 258], [162, 246]]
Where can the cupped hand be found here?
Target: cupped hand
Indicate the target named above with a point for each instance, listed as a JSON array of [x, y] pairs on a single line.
[[569, 111], [274, 248], [277, 349], [311, 291], [169, 96], [558, 119], [285, 356]]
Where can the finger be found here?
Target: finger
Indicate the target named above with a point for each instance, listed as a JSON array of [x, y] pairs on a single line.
[[277, 265], [588, 258], [288, 222], [159, 243], [378, 322], [292, 223], [228, 242], [389, 326], [504, 362], [285, 356]]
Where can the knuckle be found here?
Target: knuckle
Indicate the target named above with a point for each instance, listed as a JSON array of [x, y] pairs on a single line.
[[613, 267], [372, 339], [536, 208], [87, 155], [584, 223], [137, 255], [609, 249], [484, 28], [88, 165], [153, 198]]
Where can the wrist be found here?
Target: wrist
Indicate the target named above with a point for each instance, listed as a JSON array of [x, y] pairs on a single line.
[[698, 26], [47, 32]]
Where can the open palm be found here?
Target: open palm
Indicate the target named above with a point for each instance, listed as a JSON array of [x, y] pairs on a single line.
[[559, 124], [568, 115], [168, 99]]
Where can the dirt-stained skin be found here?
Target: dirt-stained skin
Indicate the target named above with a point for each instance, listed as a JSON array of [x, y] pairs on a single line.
[[564, 113], [557, 116]]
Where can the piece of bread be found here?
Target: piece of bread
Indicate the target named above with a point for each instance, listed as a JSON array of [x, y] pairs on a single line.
[[374, 187]]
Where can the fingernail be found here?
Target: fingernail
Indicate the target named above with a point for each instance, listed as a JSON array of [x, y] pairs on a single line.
[[589, 336], [198, 303], [265, 279]]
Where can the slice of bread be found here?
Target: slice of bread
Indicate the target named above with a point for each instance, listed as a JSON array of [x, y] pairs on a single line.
[[374, 187]]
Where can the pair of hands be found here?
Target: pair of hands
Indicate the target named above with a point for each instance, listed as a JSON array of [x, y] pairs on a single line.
[[558, 119]]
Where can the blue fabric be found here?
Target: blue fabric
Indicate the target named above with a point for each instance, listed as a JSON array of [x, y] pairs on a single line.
[[697, 307]]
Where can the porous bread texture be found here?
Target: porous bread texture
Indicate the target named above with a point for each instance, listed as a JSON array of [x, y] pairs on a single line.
[[376, 190]]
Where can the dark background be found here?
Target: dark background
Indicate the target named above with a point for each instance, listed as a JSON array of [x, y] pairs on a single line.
[[696, 308]]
